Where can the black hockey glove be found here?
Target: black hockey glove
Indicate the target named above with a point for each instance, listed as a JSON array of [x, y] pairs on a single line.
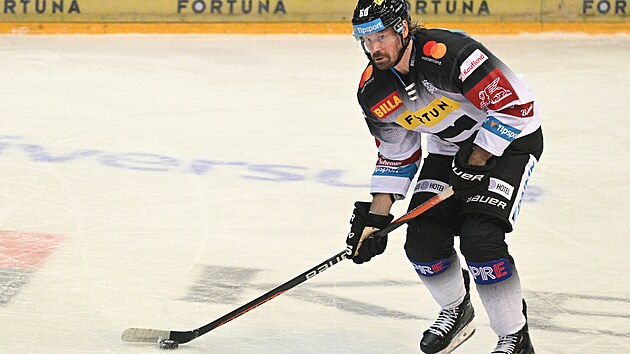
[[360, 246], [468, 180]]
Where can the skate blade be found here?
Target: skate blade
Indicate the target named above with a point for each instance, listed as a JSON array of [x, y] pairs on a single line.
[[463, 336]]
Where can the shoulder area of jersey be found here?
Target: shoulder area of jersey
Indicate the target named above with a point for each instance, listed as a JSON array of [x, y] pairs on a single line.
[[371, 75], [442, 33], [437, 45]]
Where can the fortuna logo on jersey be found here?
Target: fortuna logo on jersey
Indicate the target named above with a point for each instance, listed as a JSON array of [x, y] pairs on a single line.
[[388, 105], [430, 115], [494, 92], [471, 63]]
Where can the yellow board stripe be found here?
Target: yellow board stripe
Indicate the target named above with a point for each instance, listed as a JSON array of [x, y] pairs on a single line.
[[299, 27], [177, 28]]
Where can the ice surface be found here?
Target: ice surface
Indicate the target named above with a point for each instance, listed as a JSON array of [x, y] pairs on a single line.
[[163, 181]]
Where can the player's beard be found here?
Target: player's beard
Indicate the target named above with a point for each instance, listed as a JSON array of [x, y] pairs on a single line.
[[385, 60]]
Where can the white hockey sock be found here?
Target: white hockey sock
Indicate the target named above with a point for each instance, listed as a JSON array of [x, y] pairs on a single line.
[[447, 288], [503, 302]]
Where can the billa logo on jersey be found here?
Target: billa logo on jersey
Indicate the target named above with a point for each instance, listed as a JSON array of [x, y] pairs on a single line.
[[430, 115], [471, 63], [385, 107], [493, 92]]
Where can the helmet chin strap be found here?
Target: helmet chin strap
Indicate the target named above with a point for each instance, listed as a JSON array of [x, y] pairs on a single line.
[[405, 44]]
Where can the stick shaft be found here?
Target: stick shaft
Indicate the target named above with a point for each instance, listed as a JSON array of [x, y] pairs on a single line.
[[273, 293], [322, 266], [148, 335]]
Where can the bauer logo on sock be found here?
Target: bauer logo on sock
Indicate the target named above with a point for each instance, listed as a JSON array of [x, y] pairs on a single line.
[[431, 269], [490, 272]]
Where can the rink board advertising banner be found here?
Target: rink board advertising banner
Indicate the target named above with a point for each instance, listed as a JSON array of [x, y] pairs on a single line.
[[217, 11]]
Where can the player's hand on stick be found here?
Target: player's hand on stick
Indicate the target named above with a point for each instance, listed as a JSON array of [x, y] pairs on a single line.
[[468, 180], [361, 247]]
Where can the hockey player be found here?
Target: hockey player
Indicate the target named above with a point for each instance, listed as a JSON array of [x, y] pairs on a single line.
[[483, 130]]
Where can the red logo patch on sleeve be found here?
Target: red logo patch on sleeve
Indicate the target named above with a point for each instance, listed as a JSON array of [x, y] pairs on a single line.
[[520, 110], [382, 161], [493, 92]]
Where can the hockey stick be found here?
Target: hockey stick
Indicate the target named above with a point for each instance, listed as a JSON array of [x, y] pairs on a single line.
[[155, 335]]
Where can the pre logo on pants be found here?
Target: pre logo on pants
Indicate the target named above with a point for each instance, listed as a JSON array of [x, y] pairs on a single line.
[[431, 269], [490, 272]]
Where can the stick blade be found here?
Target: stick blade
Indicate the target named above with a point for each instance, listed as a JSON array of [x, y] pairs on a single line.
[[144, 335]]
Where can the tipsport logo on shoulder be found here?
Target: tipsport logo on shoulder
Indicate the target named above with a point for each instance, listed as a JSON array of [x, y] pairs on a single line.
[[503, 131]]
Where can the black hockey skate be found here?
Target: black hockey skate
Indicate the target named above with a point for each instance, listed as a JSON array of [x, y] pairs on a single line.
[[452, 327], [517, 343]]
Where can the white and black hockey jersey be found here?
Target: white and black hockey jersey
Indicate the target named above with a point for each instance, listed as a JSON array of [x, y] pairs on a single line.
[[456, 89]]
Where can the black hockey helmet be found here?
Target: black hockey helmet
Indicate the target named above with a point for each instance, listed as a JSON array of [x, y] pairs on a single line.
[[371, 16]]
